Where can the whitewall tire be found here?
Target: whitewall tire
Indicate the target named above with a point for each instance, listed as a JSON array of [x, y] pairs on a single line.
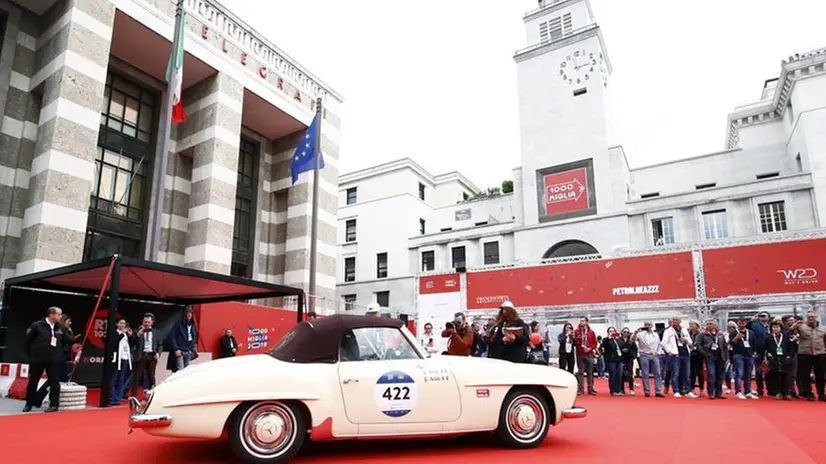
[[523, 420], [267, 432]]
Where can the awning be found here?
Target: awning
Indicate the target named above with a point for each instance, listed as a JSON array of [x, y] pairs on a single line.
[[150, 281]]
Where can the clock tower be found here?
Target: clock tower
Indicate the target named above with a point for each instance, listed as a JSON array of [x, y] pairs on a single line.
[[563, 78]]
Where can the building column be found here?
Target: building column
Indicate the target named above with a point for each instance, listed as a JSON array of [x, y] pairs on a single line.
[[18, 132], [299, 221], [72, 57], [212, 135]]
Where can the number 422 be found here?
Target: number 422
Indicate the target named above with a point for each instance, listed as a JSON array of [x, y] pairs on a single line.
[[396, 393]]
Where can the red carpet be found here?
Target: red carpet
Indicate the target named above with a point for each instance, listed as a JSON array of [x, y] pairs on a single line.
[[638, 429]]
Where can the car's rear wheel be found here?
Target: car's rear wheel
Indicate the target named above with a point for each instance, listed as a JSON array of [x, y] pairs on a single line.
[[523, 419], [267, 432]]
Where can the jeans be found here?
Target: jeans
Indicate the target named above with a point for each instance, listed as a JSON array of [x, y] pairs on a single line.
[[628, 374], [680, 366], [716, 368], [650, 364], [665, 370], [118, 386], [615, 376], [585, 367], [600, 367], [697, 378], [566, 362], [183, 361], [743, 365]]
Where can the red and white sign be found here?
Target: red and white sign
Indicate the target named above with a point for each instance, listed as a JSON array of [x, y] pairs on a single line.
[[256, 328], [446, 283], [641, 278], [785, 267], [566, 192]]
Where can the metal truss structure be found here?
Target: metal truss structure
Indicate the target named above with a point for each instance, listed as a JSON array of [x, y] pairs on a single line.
[[704, 307]]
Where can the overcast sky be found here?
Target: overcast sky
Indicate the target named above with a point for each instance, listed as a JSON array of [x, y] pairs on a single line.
[[434, 80]]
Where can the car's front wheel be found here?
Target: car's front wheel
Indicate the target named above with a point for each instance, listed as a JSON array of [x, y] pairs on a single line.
[[523, 419], [267, 432]]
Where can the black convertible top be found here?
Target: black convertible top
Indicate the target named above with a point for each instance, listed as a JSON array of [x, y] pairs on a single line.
[[318, 341]]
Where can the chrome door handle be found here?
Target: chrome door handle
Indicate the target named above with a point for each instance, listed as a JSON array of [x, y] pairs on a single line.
[[346, 381]]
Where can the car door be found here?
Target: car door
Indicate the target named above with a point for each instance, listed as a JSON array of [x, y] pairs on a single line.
[[389, 383]]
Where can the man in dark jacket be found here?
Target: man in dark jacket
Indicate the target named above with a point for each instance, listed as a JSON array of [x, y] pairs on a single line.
[[227, 346], [760, 326], [44, 343], [711, 344], [148, 344], [184, 340]]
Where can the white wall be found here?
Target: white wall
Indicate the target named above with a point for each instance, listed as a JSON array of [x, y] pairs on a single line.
[[491, 210], [724, 168]]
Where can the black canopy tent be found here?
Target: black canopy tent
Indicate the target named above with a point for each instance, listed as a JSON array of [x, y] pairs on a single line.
[[145, 281]]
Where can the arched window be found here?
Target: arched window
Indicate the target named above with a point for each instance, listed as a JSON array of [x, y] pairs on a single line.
[[568, 248]]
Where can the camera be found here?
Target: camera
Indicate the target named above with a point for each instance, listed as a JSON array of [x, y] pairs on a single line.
[[449, 326]]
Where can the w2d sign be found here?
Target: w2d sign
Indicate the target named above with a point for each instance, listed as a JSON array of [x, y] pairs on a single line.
[[566, 192], [396, 394]]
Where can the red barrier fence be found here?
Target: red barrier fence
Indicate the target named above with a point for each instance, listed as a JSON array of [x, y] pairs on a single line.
[[641, 278], [784, 267]]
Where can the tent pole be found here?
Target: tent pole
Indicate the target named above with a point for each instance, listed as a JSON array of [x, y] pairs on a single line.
[[300, 309], [92, 317], [111, 321]]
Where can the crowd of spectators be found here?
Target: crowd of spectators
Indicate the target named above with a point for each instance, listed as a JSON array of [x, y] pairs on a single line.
[[750, 357]]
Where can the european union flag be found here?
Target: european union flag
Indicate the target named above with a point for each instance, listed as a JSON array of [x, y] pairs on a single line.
[[304, 156]]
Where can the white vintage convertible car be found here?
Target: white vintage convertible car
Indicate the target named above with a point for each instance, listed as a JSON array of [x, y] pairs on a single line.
[[354, 377]]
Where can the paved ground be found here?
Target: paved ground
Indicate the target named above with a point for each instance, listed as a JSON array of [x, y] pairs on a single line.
[[9, 407]]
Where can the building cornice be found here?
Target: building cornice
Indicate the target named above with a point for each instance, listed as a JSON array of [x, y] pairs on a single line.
[[793, 183], [577, 35], [401, 164], [211, 11], [550, 7], [798, 67]]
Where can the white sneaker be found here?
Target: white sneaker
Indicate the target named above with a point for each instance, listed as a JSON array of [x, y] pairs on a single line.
[[741, 396], [690, 395], [677, 395], [631, 392], [752, 396]]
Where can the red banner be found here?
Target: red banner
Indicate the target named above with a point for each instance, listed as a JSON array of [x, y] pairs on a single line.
[[447, 283], [566, 192], [642, 278], [785, 267], [256, 328]]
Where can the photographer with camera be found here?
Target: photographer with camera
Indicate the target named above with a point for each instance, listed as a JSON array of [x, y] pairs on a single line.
[[459, 335]]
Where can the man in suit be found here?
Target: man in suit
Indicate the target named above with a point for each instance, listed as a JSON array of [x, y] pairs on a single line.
[[228, 345], [148, 343], [44, 344]]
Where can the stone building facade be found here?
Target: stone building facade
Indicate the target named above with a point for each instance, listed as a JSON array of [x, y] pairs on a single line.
[[81, 90]]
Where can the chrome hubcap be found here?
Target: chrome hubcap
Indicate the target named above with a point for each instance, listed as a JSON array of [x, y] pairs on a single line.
[[525, 418], [268, 429]]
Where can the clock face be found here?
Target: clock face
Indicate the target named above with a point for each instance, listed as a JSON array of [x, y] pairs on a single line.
[[580, 66]]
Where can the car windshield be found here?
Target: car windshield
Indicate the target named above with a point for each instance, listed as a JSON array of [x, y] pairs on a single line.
[[377, 344]]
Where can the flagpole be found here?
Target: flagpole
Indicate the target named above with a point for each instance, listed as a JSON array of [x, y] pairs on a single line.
[[162, 158], [311, 300]]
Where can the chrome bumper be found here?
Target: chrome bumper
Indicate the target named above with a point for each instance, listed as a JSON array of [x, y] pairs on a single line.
[[139, 420], [574, 413]]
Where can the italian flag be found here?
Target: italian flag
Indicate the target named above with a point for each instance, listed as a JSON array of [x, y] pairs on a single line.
[[175, 74]]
